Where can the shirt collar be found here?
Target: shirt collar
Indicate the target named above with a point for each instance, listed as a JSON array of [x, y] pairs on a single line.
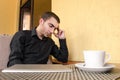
[[34, 33]]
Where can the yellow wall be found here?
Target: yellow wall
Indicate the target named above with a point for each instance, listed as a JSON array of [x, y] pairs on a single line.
[[90, 24], [40, 6], [9, 12]]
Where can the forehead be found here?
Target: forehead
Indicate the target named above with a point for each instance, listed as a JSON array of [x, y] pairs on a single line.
[[53, 21]]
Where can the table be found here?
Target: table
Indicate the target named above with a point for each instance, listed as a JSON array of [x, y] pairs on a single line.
[[76, 74]]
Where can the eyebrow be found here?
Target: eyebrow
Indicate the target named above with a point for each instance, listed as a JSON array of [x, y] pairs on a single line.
[[51, 24]]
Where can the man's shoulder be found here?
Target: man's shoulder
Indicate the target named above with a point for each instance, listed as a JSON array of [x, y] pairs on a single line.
[[24, 32]]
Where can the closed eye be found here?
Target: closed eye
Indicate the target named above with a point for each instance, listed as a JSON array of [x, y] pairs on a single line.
[[51, 25]]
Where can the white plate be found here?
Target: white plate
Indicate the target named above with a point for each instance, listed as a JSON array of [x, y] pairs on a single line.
[[106, 68]]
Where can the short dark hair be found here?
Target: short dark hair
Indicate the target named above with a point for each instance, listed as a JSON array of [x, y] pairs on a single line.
[[48, 15]]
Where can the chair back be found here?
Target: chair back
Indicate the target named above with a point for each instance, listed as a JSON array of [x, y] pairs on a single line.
[[4, 49]]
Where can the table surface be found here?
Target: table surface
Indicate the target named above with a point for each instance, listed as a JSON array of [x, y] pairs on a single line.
[[76, 74]]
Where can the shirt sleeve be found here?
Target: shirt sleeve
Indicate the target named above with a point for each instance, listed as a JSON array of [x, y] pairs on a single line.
[[17, 48], [61, 54]]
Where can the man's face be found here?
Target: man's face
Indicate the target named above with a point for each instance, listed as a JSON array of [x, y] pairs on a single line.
[[50, 26]]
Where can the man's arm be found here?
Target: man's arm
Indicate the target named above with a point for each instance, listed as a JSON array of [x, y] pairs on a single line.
[[17, 48], [60, 53]]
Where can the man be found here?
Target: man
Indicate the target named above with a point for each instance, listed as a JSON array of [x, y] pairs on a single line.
[[35, 46]]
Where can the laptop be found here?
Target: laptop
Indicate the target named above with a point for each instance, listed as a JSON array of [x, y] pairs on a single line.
[[38, 68]]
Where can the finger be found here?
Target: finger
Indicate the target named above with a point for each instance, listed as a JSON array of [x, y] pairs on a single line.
[[60, 31]]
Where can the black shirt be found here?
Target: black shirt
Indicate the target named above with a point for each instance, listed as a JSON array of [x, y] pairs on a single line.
[[27, 48]]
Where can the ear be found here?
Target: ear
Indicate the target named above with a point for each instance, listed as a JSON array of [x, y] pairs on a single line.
[[41, 21]]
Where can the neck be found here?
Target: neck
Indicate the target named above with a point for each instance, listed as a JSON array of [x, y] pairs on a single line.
[[39, 32]]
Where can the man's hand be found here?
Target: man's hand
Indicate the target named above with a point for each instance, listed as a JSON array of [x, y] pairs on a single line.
[[60, 34]]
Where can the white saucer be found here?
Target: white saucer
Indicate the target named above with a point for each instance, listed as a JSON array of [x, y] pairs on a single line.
[[106, 68]]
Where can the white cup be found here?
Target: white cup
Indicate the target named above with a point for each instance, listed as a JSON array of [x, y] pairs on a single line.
[[95, 58]]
